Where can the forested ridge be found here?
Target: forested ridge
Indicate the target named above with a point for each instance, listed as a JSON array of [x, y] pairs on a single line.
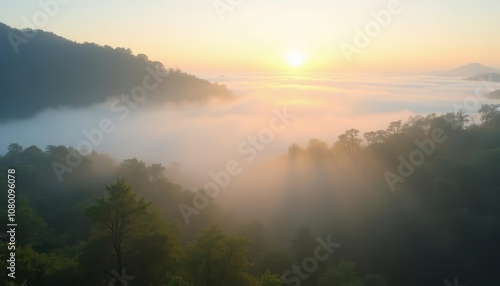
[[49, 71], [417, 203]]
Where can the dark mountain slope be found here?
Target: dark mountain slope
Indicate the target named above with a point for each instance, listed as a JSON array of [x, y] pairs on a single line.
[[50, 71]]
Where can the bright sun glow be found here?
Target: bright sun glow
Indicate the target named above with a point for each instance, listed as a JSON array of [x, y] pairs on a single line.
[[296, 59]]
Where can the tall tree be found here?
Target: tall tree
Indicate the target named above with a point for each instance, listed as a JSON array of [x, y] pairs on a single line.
[[218, 259], [135, 171], [130, 235], [156, 172], [343, 274], [269, 279], [394, 128], [488, 113], [13, 156], [349, 140]]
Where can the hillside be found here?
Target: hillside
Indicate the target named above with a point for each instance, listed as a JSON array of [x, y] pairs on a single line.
[[48, 71], [493, 77], [494, 94], [469, 70]]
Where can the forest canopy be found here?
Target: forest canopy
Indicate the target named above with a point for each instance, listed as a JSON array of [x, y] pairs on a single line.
[[343, 222]]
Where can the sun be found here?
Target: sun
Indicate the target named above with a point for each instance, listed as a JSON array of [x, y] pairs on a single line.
[[296, 59]]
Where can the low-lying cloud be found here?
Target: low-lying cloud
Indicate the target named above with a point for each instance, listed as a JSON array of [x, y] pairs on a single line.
[[204, 136]]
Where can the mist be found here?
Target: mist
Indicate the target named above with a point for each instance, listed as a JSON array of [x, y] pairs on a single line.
[[201, 138]]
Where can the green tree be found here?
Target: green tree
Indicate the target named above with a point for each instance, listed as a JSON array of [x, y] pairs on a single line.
[[130, 235], [217, 259], [269, 279], [373, 280], [36, 268], [317, 149], [135, 171], [372, 137], [488, 113], [14, 155], [156, 172], [458, 119], [342, 275], [277, 260], [349, 140], [33, 228], [394, 128]]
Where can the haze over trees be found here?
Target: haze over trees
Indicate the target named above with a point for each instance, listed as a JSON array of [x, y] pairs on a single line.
[[107, 221]]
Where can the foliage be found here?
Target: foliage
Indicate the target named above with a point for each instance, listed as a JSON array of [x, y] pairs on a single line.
[[129, 234], [269, 279], [443, 220], [215, 258]]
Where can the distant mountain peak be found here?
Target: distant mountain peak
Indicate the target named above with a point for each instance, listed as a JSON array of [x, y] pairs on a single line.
[[470, 70], [475, 64]]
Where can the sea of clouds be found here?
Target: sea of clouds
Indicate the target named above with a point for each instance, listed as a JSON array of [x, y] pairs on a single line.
[[204, 136]]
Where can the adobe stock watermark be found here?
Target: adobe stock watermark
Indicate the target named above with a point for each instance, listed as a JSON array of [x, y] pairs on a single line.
[[122, 278], [310, 264], [121, 107], [248, 148], [224, 6], [417, 157], [41, 18], [372, 29], [455, 282]]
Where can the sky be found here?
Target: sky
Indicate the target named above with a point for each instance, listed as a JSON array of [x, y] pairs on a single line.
[[259, 35]]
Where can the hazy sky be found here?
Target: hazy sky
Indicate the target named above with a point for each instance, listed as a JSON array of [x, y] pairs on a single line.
[[258, 35]]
